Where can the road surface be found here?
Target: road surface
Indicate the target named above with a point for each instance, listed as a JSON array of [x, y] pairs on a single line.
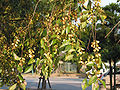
[[57, 83]]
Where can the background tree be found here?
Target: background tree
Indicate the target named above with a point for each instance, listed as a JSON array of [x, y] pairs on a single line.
[[110, 42], [14, 15]]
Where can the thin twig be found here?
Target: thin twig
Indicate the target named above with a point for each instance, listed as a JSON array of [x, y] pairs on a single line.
[[112, 29], [26, 28], [49, 28], [32, 15], [93, 33], [95, 30], [89, 42], [34, 12]]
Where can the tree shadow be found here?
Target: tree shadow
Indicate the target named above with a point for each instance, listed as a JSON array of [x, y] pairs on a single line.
[[55, 86], [66, 86]]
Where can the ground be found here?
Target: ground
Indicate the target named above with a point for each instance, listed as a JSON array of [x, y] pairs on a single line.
[[59, 82], [63, 82], [107, 81]]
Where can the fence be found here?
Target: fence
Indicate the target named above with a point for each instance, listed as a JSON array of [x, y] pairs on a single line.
[[68, 67]]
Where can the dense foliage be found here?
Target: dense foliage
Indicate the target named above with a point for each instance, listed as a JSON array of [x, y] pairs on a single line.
[[39, 33]]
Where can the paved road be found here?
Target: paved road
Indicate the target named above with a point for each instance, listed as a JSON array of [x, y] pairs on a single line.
[[57, 83]]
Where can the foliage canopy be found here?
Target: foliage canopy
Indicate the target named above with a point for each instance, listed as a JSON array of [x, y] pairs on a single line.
[[39, 33]]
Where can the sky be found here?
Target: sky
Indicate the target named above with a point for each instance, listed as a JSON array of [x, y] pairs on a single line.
[[107, 2]]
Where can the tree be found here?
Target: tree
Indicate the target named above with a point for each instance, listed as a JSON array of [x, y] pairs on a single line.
[[40, 39], [110, 42], [13, 17]]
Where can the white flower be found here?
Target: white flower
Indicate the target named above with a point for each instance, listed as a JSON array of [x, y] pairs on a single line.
[[93, 59], [81, 58], [82, 49], [80, 53], [97, 41], [99, 47], [18, 40], [30, 55], [12, 43], [16, 45]]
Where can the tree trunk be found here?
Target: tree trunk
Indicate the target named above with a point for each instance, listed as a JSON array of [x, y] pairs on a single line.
[[115, 74], [78, 69], [43, 83], [110, 75]]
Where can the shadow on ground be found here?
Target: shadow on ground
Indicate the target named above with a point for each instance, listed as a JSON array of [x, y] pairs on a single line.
[[70, 86]]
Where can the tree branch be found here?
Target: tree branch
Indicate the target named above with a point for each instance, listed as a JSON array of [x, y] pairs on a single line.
[[112, 29], [32, 15]]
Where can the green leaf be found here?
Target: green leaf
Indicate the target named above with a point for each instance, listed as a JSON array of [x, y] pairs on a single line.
[[19, 68], [71, 50], [90, 64], [34, 0], [44, 33], [65, 43], [53, 36], [69, 57], [63, 31], [83, 88], [103, 83], [20, 77], [38, 61], [46, 68], [42, 43], [16, 57], [67, 29], [53, 42], [31, 61], [41, 51], [84, 84], [28, 69], [84, 24], [27, 43], [13, 87], [85, 80], [83, 44], [0, 70], [23, 86], [85, 12], [47, 55], [100, 62], [1, 84], [103, 17], [77, 45], [83, 18], [58, 21], [79, 9], [92, 79], [16, 18], [68, 47]]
